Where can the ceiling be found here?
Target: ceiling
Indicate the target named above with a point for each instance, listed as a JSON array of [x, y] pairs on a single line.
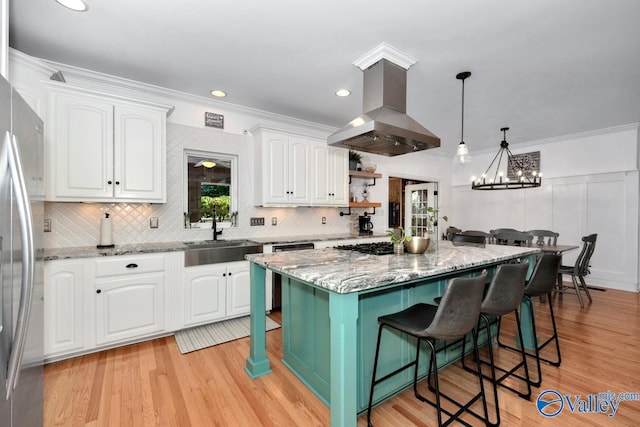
[[545, 68]]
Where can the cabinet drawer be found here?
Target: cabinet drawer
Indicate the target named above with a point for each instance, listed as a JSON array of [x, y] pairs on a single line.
[[129, 265]]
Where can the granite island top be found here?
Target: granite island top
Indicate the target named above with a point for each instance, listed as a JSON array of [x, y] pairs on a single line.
[[345, 271], [51, 254]]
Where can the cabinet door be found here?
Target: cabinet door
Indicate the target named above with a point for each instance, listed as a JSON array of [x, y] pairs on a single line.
[[63, 307], [204, 297], [339, 176], [139, 151], [129, 307], [298, 171], [276, 180], [81, 149], [238, 289], [320, 191]]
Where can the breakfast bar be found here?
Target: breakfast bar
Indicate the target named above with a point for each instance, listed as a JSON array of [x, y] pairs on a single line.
[[330, 305]]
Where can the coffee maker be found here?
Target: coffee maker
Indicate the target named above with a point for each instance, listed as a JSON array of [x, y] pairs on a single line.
[[365, 226]]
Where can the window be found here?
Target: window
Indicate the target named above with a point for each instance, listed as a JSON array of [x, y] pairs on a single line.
[[210, 189]]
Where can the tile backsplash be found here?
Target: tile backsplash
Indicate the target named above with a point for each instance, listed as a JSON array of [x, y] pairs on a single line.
[[78, 224]]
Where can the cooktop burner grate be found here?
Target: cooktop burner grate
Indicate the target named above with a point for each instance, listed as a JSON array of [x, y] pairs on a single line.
[[379, 248]]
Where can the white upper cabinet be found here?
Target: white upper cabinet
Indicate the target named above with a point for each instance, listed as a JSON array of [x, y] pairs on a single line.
[[282, 163], [104, 148], [329, 168], [298, 170]]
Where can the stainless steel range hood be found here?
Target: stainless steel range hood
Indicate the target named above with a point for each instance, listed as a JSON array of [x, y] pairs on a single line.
[[384, 128]]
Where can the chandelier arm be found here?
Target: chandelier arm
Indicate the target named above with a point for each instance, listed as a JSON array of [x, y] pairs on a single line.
[[495, 176], [492, 161]]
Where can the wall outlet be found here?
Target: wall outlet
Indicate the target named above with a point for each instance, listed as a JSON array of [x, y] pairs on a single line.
[[256, 221], [153, 222], [47, 225], [274, 220], [324, 219]]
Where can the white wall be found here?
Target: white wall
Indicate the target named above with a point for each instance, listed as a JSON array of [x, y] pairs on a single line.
[[590, 185]]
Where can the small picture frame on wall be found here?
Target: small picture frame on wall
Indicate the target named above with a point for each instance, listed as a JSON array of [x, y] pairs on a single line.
[[214, 120]]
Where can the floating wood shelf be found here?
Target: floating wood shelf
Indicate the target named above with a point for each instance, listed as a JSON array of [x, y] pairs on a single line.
[[365, 204], [361, 174]]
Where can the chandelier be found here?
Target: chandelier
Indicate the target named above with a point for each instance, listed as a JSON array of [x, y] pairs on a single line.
[[495, 179]]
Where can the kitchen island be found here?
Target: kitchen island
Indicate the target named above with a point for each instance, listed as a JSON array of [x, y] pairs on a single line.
[[331, 301]]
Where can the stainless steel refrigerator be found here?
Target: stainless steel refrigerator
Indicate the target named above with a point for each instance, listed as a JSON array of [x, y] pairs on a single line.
[[21, 279]]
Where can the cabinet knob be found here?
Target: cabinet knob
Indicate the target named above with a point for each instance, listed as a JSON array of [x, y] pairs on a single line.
[[224, 274], [229, 273], [117, 182], [109, 182], [98, 291], [132, 265]]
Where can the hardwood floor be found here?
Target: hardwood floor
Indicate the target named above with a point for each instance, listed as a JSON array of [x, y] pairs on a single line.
[[152, 384]]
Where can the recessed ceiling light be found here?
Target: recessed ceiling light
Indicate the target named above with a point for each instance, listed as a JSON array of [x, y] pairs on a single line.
[[343, 92], [218, 93], [77, 5]]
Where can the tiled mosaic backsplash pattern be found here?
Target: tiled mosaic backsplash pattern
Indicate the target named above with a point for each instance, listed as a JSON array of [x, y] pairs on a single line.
[[78, 224]]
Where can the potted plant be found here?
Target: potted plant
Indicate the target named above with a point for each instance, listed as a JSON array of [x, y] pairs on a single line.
[[432, 221], [354, 160], [398, 237]]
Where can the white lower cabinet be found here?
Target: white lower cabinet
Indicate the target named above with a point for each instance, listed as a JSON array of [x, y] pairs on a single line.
[[129, 307], [238, 289], [64, 307], [214, 292], [96, 303]]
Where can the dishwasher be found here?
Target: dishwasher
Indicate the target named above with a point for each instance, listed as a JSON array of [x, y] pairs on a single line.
[[276, 279]]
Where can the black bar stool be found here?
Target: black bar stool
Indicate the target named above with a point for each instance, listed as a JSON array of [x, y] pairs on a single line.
[[455, 316], [503, 296], [542, 283]]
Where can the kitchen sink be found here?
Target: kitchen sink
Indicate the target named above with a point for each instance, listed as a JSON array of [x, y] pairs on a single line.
[[216, 251]]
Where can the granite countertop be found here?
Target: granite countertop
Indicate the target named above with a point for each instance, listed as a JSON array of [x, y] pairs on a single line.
[[314, 238], [344, 271], [130, 249], [51, 254]]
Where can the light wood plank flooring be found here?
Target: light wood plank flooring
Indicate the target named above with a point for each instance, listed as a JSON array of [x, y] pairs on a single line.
[[152, 384]]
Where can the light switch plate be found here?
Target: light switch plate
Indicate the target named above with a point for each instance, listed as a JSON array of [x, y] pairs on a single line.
[[47, 225], [153, 222]]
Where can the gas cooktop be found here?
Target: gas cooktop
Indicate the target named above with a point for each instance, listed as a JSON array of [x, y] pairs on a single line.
[[380, 248]]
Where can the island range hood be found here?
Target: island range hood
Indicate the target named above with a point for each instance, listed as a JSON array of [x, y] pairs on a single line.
[[384, 128]]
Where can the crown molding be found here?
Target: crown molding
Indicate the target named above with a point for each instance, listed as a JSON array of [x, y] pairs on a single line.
[[33, 63], [388, 52], [102, 81]]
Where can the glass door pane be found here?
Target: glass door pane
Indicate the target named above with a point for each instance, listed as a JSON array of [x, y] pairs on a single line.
[[418, 197]]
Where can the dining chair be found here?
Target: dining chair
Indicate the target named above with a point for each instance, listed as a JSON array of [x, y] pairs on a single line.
[[488, 238], [512, 238], [503, 297], [455, 317], [503, 230], [451, 231], [580, 269], [539, 236], [541, 283], [468, 240]]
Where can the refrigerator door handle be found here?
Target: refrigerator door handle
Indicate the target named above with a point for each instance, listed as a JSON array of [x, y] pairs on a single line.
[[28, 263]]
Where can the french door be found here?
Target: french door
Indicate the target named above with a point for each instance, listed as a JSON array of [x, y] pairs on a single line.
[[417, 198]]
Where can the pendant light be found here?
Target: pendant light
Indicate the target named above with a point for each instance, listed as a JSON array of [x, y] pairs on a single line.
[[498, 179], [462, 154]]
